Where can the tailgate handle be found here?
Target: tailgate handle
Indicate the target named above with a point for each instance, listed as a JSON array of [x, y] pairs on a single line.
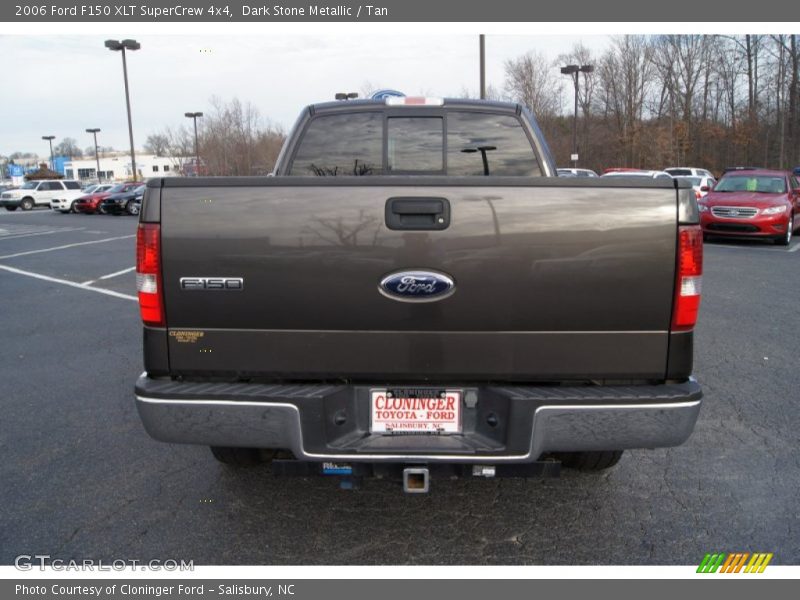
[[417, 213]]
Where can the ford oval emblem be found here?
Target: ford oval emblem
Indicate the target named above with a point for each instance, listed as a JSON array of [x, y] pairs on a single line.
[[417, 286]]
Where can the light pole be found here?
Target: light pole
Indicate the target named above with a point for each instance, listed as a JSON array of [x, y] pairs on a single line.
[[96, 153], [116, 46], [574, 71], [482, 52], [50, 139], [193, 116]]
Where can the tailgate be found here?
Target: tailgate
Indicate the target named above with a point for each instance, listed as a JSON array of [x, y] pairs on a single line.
[[551, 281]]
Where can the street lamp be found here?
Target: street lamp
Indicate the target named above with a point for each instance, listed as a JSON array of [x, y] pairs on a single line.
[[116, 46], [96, 153], [482, 60], [193, 116], [573, 71], [50, 139]]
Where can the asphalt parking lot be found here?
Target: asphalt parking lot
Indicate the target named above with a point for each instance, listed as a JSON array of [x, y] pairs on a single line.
[[81, 479]]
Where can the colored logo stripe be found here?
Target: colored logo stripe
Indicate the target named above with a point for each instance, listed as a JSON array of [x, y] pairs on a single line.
[[734, 562], [758, 563], [710, 563]]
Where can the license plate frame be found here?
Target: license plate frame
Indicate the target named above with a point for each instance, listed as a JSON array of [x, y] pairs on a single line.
[[437, 411]]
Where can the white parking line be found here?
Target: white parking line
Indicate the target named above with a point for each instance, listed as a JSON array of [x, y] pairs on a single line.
[[29, 213], [109, 276], [80, 286], [122, 237], [795, 249], [22, 235]]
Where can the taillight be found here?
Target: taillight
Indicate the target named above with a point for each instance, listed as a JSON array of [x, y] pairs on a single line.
[[148, 274], [689, 277]]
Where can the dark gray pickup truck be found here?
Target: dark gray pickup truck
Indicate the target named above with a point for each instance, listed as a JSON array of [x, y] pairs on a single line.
[[414, 287]]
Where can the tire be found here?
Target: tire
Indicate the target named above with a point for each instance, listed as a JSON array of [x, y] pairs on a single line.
[[99, 210], [590, 461], [786, 238], [27, 203], [73, 208], [132, 208], [11, 208], [238, 457]]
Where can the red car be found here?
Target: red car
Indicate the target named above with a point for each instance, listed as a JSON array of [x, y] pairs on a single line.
[[754, 203], [90, 204]]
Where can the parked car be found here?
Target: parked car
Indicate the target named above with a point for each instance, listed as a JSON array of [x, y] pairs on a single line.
[[700, 185], [90, 204], [67, 204], [39, 193], [755, 203], [576, 173], [124, 202], [688, 171], [635, 173]]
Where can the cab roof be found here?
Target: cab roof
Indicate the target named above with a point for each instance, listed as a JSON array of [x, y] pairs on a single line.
[[349, 105]]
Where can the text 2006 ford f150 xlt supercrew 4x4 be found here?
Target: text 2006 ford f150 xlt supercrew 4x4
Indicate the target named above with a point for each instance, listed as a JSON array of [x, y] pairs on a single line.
[[415, 287]]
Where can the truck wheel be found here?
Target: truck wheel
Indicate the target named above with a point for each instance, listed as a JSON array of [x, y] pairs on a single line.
[[26, 204], [238, 457], [590, 461]]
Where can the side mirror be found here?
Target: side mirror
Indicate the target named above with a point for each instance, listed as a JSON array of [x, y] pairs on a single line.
[[705, 188]]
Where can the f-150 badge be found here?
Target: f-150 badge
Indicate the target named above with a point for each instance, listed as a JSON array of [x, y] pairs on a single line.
[[224, 284], [417, 286]]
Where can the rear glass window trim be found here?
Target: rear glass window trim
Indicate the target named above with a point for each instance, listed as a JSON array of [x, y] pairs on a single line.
[[389, 112]]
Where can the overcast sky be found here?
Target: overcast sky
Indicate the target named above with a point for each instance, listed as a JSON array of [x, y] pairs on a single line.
[[61, 85]]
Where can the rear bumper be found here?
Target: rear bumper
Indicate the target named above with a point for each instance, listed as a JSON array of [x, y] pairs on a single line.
[[530, 420]]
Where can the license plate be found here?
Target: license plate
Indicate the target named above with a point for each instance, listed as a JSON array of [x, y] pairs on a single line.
[[415, 411]]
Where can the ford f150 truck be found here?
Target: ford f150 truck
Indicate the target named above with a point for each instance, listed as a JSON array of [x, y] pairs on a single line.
[[415, 287]]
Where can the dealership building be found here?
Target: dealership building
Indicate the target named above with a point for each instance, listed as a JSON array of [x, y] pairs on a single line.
[[118, 168]]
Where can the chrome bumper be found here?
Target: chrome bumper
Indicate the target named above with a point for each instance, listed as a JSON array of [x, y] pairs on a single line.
[[554, 426]]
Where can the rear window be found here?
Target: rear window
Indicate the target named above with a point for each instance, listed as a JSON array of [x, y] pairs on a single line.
[[460, 144], [415, 144], [487, 144], [341, 145]]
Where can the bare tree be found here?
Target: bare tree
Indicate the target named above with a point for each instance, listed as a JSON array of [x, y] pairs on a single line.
[[68, 147], [625, 79], [532, 80], [235, 141], [158, 144]]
